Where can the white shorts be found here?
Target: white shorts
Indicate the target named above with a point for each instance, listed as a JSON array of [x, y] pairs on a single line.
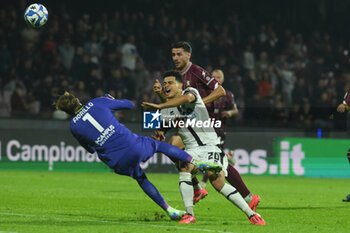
[[212, 154]]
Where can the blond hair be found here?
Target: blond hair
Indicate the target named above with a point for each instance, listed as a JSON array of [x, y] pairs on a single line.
[[67, 103]]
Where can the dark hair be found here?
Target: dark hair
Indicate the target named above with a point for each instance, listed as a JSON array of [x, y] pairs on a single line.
[[67, 103], [182, 44], [176, 74]]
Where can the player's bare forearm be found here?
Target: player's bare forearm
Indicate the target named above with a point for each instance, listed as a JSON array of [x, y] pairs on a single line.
[[216, 94], [178, 101], [230, 113], [234, 111]]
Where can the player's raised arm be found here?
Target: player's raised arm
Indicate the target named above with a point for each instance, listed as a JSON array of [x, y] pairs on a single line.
[[232, 109], [172, 81], [184, 99], [157, 88], [230, 113], [208, 80], [117, 104], [218, 92]]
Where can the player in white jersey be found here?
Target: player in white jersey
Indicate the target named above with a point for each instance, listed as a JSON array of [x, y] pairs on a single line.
[[195, 117], [186, 111]]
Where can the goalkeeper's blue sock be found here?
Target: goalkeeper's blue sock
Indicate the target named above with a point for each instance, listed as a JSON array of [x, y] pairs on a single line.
[[173, 151], [152, 191]]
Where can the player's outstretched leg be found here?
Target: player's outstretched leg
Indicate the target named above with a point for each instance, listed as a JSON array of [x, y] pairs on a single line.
[[175, 214], [154, 194], [188, 219], [207, 166], [199, 194], [204, 180], [256, 219], [254, 202], [218, 182], [235, 179], [186, 189], [199, 190], [174, 152]]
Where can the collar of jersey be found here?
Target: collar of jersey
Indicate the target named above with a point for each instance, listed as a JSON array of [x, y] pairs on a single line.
[[187, 69], [79, 109]]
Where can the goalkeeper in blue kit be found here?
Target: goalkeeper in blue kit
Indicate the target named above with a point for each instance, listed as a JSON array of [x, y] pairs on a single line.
[[97, 130]]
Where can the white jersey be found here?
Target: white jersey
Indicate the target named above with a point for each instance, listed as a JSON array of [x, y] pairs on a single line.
[[192, 121]]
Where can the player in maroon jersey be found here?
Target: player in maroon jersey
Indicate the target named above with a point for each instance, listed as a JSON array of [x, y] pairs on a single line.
[[224, 107], [345, 107], [193, 76], [210, 90]]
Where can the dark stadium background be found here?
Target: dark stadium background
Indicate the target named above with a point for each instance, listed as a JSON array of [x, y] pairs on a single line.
[[313, 33], [289, 143]]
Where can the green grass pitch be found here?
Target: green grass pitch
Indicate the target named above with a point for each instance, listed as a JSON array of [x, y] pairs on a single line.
[[104, 202]]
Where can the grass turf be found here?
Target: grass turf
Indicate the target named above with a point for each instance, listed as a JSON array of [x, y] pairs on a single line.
[[104, 202]]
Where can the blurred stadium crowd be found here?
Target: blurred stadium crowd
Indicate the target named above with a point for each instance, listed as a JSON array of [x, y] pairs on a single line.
[[280, 74]]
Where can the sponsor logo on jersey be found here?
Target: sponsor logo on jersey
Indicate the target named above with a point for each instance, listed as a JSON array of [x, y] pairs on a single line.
[[107, 133]]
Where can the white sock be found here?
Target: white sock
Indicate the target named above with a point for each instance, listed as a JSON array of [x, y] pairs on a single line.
[[233, 195], [186, 189]]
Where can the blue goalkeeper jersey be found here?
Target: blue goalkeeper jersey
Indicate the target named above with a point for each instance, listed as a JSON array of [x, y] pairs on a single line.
[[96, 129]]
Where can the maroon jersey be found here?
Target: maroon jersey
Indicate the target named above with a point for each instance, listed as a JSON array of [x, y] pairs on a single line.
[[346, 99], [224, 103], [196, 77]]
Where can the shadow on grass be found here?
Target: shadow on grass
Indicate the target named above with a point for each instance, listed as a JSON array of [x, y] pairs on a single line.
[[79, 222], [73, 219], [156, 217]]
